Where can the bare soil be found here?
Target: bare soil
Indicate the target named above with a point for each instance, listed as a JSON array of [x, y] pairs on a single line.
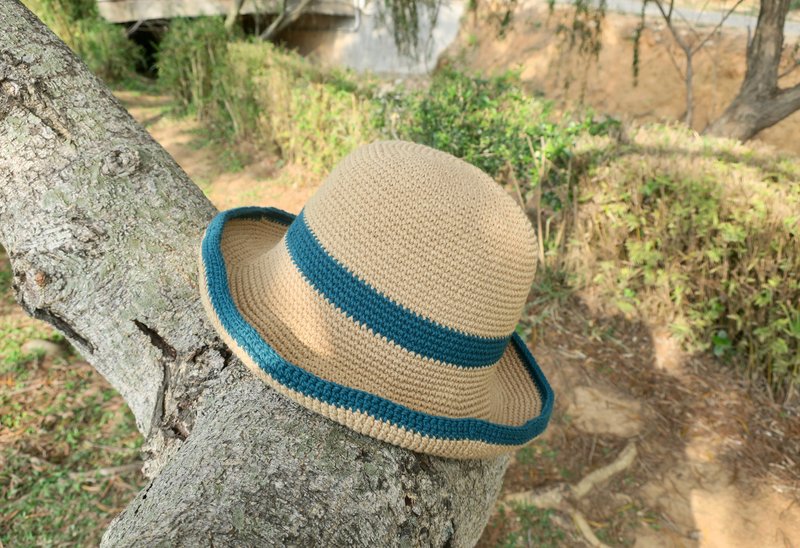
[[531, 43], [716, 461], [244, 176]]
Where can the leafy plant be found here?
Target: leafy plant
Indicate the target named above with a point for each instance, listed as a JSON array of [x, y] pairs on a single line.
[[104, 47], [191, 63], [256, 91], [704, 243], [536, 528]]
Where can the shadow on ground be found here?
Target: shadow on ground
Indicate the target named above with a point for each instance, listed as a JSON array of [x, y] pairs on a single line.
[[714, 459]]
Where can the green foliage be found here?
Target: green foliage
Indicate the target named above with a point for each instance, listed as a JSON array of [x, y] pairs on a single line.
[[536, 528], [191, 60], [491, 123], [706, 245], [104, 47], [258, 92]]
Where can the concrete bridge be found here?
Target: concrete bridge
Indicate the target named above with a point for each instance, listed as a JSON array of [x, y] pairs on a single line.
[[132, 11], [336, 32]]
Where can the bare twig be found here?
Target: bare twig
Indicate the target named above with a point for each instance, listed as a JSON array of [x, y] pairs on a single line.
[[106, 472], [557, 497], [602, 475], [586, 531], [284, 19], [719, 25], [233, 14]]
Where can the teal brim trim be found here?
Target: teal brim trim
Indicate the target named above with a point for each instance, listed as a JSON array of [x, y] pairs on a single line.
[[298, 379]]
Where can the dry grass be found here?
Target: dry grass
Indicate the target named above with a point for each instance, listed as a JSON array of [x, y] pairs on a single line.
[[68, 443], [700, 235]]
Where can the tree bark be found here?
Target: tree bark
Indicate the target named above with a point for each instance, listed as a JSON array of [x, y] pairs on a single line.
[[760, 102], [233, 14], [102, 228]]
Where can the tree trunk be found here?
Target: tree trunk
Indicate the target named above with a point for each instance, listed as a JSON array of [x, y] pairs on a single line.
[[760, 102], [102, 228], [233, 14]]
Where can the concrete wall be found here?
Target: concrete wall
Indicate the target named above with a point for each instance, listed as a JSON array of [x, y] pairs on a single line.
[[364, 44]]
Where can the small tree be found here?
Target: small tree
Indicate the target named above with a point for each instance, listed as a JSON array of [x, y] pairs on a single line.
[[690, 46], [761, 102]]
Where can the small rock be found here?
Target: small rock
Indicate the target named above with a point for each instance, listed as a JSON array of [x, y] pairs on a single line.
[[620, 499], [597, 412], [40, 346]]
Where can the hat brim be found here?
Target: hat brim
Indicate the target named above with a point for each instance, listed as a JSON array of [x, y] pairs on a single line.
[[362, 411]]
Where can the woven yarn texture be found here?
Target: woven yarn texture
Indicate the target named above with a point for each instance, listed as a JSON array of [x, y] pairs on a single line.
[[403, 278]]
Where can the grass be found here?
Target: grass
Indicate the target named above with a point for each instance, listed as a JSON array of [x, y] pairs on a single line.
[[530, 526], [68, 443]]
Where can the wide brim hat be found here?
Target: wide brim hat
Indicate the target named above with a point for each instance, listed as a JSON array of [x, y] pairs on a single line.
[[389, 304]]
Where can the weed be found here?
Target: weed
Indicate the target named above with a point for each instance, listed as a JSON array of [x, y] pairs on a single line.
[[104, 47], [703, 240], [489, 122], [536, 528], [258, 92]]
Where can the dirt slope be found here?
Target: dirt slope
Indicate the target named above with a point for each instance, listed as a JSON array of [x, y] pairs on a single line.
[[530, 43]]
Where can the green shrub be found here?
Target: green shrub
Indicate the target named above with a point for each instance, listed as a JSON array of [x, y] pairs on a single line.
[[192, 64], [491, 123], [703, 240], [257, 91], [104, 47], [315, 118]]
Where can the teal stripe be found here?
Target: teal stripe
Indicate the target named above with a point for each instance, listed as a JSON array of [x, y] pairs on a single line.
[[300, 380], [364, 304]]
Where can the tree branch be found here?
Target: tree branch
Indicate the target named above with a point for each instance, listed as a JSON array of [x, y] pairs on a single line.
[[284, 19], [102, 229], [719, 25], [233, 14]]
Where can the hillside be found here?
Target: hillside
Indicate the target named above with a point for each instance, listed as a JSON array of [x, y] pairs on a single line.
[[530, 42]]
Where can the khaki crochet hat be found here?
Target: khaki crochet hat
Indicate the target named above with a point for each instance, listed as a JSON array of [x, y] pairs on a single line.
[[389, 304]]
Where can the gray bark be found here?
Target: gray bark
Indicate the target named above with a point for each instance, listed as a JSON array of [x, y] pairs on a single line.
[[760, 103], [102, 229]]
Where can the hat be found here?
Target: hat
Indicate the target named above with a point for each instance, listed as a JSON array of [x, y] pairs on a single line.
[[389, 304]]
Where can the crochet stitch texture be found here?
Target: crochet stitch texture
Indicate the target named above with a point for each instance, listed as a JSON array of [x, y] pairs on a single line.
[[389, 304]]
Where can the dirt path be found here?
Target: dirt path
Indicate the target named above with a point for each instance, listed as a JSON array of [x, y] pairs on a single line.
[[217, 171], [711, 468]]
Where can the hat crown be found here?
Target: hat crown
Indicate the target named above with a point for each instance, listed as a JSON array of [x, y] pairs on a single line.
[[388, 304], [431, 233]]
